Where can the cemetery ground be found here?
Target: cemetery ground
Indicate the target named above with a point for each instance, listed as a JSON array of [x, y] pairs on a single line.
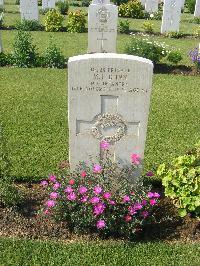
[[34, 112]]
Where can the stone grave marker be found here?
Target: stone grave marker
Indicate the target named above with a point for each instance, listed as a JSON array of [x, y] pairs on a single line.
[[48, 4], [102, 27], [1, 3], [197, 9], [151, 6], [29, 9], [109, 101], [171, 16]]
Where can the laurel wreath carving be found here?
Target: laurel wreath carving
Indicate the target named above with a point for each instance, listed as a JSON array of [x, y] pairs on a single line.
[[109, 120]]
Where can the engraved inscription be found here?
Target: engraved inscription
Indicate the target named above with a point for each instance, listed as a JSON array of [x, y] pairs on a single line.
[[109, 79]]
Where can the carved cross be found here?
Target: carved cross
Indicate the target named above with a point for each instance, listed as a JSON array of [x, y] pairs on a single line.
[[103, 129]]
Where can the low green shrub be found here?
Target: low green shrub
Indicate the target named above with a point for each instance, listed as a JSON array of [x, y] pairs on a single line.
[[131, 9], [181, 180], [62, 7], [28, 25], [156, 15], [119, 2], [9, 194], [76, 21], [174, 57], [175, 34], [196, 20], [39, 2], [53, 57], [148, 49], [17, 2], [4, 59], [147, 26], [44, 11], [124, 26], [100, 198], [75, 3], [190, 4], [86, 3], [25, 52], [53, 20], [197, 32]]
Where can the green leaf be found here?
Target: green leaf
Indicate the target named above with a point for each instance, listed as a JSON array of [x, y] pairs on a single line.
[[182, 212]]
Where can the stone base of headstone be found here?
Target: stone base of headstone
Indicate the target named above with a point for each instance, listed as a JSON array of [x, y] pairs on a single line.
[[102, 28], [108, 101]]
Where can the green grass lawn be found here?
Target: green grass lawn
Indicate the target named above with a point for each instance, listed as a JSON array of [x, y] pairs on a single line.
[[35, 253], [34, 111]]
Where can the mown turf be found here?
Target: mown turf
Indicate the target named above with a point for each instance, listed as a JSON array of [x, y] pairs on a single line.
[[34, 110], [15, 252]]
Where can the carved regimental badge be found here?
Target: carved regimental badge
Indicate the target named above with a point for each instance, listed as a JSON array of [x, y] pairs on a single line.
[[103, 14]]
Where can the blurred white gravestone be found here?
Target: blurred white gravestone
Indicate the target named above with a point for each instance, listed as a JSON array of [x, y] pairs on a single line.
[[171, 16], [143, 2], [1, 3], [48, 4], [151, 6], [197, 9], [29, 9], [102, 27], [109, 101]]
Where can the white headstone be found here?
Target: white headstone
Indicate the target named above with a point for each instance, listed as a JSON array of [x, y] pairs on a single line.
[[102, 27], [109, 101], [151, 6], [48, 4], [182, 4], [171, 16], [197, 9], [1, 3], [29, 9], [143, 2]]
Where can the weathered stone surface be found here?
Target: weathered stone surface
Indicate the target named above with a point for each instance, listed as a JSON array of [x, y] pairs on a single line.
[[151, 6], [171, 16], [29, 9], [102, 27], [108, 98], [48, 4], [197, 9]]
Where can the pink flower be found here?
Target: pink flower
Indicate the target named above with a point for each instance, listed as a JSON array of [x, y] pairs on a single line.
[[99, 209], [144, 202], [150, 195], [137, 206], [97, 168], [135, 158], [132, 193], [126, 198], [68, 189], [149, 173], [145, 214], [106, 195], [97, 190], [104, 145], [101, 224], [152, 202], [83, 174], [84, 199], [132, 210], [94, 200], [50, 203], [46, 212], [82, 190], [71, 196], [71, 182], [56, 186], [44, 183], [53, 195], [128, 218], [52, 178], [156, 195], [112, 202]]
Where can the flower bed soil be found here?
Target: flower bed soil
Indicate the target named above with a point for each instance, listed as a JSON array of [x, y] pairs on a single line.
[[24, 222], [177, 70]]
